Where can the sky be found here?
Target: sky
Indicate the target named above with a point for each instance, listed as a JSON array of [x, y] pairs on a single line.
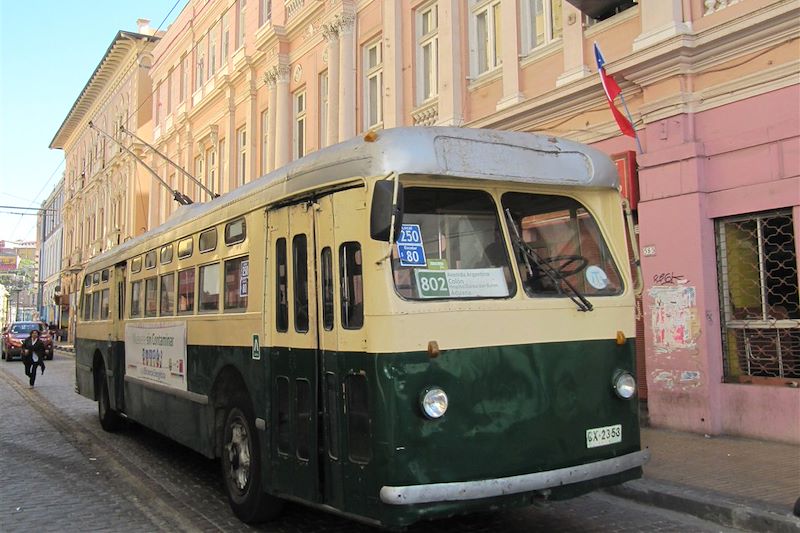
[[48, 51]]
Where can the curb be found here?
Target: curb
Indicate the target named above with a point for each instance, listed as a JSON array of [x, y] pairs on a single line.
[[722, 509]]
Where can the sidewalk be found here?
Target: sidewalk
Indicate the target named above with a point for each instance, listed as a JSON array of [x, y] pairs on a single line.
[[735, 482]]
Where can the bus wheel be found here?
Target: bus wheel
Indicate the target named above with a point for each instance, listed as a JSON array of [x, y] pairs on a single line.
[[241, 469], [109, 419]]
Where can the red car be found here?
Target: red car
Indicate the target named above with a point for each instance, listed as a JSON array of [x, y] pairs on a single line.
[[17, 332]]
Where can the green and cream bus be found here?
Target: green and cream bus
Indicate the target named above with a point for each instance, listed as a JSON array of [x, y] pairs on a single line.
[[411, 324]]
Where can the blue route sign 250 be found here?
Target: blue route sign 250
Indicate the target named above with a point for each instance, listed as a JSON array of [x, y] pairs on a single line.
[[409, 246]]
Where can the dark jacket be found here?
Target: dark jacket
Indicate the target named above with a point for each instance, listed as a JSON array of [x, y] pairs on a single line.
[[37, 347]]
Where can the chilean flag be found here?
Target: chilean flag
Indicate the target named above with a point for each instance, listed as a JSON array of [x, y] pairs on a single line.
[[612, 90]]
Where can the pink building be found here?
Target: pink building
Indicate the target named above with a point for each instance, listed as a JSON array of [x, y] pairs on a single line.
[[243, 87]]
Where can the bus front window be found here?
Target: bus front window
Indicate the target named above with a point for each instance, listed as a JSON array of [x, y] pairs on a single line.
[[567, 246], [450, 246]]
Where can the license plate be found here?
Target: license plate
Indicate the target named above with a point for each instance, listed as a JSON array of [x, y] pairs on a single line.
[[603, 436]]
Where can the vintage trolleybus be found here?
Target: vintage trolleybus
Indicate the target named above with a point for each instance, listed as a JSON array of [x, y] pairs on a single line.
[[411, 324]]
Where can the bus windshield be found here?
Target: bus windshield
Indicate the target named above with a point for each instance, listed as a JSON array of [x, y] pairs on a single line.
[[451, 246], [569, 251]]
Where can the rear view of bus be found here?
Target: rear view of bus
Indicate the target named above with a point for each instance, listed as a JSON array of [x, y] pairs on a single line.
[[503, 346]]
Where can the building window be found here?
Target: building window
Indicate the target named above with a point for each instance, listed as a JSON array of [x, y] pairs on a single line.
[[757, 271], [184, 78], [240, 22], [211, 170], [221, 164], [212, 52], [541, 22], [264, 140], [323, 109], [485, 36], [225, 39], [265, 12], [198, 175], [427, 22], [299, 141], [200, 64], [373, 84], [241, 161]]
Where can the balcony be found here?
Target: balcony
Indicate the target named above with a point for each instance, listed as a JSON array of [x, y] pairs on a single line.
[[292, 7], [427, 114]]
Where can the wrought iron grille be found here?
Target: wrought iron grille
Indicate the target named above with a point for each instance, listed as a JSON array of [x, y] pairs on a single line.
[[757, 262]]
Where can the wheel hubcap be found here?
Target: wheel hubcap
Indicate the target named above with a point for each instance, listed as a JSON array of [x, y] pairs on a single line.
[[238, 451]]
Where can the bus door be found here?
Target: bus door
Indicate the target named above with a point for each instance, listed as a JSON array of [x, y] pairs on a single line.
[[116, 363], [340, 219], [293, 356]]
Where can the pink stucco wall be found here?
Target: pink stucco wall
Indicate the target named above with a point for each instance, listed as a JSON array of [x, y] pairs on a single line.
[[739, 158]]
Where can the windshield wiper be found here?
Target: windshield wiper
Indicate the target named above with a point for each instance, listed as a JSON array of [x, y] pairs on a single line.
[[529, 254]]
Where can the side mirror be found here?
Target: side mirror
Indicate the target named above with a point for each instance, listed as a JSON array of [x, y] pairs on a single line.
[[383, 207]]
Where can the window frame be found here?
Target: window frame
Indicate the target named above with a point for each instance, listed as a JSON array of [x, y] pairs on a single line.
[[493, 51], [551, 34], [200, 286], [424, 40], [299, 129], [373, 72]]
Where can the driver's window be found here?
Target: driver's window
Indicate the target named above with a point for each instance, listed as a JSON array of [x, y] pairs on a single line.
[[567, 246]]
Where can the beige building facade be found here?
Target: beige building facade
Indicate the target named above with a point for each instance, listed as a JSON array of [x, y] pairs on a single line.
[[105, 191]]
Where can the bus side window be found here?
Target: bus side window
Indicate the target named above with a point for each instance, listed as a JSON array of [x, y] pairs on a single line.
[[87, 306], [168, 294], [104, 304], [151, 296], [136, 299], [300, 272], [186, 291], [236, 280], [351, 285], [209, 287], [327, 288], [281, 303], [96, 304]]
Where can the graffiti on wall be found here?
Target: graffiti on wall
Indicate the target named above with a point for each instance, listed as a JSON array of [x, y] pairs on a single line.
[[674, 317], [676, 379]]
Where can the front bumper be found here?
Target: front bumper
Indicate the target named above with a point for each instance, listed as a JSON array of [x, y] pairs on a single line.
[[487, 488]]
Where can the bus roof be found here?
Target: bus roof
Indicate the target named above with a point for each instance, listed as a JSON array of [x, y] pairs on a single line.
[[458, 152]]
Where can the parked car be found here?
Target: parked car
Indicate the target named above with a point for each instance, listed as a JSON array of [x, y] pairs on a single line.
[[17, 332]]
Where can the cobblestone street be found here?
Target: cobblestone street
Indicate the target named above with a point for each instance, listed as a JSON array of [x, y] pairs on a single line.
[[61, 472]]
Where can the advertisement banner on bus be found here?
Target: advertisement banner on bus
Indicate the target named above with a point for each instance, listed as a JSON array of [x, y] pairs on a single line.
[[157, 353]]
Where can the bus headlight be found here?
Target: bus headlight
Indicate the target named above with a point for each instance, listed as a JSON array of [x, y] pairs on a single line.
[[434, 403], [625, 385]]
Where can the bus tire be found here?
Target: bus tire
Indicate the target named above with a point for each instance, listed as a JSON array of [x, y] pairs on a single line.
[[241, 468], [109, 419]]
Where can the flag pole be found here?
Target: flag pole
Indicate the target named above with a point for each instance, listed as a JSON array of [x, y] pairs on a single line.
[[630, 118]]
